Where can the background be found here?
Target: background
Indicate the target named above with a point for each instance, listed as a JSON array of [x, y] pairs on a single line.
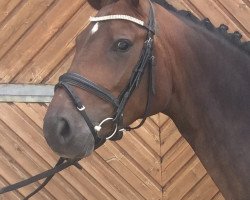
[[154, 162]]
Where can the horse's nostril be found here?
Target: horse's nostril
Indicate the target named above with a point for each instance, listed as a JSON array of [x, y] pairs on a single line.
[[63, 129]]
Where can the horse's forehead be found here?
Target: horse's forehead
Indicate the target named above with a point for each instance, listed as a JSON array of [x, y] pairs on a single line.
[[115, 27], [110, 29], [119, 8], [94, 29]]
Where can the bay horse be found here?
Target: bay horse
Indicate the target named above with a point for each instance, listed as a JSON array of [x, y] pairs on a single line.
[[136, 59]]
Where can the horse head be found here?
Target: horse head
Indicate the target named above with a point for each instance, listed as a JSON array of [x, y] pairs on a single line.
[[111, 81]]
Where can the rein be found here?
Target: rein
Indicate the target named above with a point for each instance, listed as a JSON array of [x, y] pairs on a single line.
[[61, 164], [68, 80]]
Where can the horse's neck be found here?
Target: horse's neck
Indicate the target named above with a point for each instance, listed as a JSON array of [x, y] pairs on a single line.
[[212, 82], [211, 106]]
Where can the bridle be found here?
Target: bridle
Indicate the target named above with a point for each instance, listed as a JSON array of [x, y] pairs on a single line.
[[146, 60], [68, 80]]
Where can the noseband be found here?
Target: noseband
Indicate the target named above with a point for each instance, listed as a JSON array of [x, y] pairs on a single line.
[[146, 60], [68, 80]]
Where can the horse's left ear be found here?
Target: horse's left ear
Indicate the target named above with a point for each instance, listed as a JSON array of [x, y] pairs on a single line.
[[135, 2], [98, 4]]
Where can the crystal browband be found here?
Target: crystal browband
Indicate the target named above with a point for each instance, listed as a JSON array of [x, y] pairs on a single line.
[[112, 17]]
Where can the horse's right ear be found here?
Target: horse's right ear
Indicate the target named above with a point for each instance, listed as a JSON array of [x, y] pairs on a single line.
[[135, 2], [98, 4]]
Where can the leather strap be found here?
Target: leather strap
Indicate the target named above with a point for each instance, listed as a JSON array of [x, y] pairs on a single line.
[[60, 165], [85, 84]]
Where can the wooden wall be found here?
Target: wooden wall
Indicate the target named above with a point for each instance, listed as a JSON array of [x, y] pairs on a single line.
[[153, 162]]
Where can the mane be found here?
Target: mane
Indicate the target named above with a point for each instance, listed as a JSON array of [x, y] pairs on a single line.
[[222, 30]]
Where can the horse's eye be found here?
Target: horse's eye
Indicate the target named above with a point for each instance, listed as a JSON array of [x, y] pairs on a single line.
[[123, 45]]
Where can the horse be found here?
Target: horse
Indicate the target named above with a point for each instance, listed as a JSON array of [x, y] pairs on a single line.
[[136, 59]]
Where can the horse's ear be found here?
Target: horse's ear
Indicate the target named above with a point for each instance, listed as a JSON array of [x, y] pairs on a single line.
[[135, 2], [98, 4]]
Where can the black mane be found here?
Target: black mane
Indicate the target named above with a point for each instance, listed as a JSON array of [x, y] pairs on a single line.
[[234, 38]]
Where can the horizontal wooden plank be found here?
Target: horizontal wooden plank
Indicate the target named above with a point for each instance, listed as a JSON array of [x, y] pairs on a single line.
[[34, 111], [145, 157], [61, 68], [109, 178], [23, 19], [239, 12], [218, 196], [24, 50], [10, 195], [179, 4], [149, 133], [172, 166], [217, 15], [204, 190], [126, 167], [183, 184], [169, 136], [6, 8], [17, 173], [54, 52]]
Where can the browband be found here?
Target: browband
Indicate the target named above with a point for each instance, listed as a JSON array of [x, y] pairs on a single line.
[[112, 17]]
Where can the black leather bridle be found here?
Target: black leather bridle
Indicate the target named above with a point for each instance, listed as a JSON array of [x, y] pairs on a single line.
[[146, 60], [68, 80]]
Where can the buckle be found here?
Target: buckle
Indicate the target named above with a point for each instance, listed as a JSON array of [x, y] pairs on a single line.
[[82, 108]]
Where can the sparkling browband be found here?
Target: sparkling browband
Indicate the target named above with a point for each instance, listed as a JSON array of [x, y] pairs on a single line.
[[111, 17]]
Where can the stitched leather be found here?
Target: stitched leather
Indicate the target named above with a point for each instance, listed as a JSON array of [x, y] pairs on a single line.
[[83, 83]]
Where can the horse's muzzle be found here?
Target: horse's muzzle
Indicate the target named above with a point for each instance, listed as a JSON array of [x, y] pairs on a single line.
[[67, 139]]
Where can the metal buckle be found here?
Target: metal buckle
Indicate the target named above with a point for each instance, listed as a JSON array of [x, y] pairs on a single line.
[[81, 108], [149, 41]]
